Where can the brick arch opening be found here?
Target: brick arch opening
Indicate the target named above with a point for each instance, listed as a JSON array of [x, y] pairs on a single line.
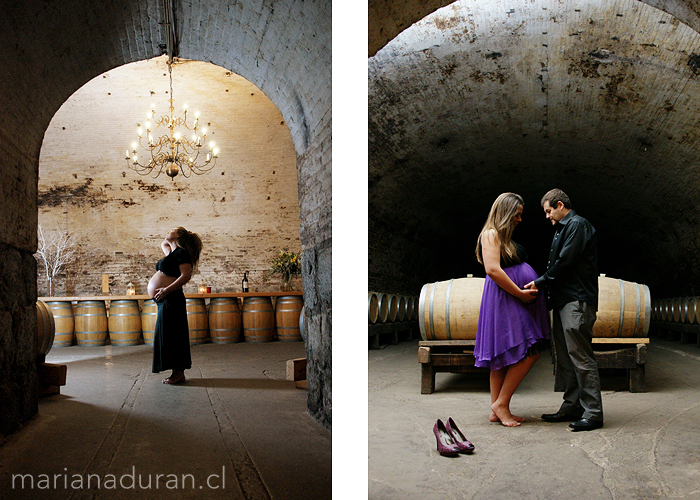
[[55, 48], [245, 208], [483, 98]]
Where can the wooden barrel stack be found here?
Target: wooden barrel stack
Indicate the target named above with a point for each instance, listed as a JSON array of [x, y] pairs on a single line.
[[390, 307], [449, 310], [677, 318], [224, 321]]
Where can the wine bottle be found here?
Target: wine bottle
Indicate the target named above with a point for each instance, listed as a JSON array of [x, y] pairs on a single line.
[[245, 282]]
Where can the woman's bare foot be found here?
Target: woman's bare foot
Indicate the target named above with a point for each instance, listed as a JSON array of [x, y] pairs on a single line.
[[503, 414], [177, 377], [494, 418]]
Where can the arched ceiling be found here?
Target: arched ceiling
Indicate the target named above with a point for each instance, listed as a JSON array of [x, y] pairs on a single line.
[[600, 99], [388, 18]]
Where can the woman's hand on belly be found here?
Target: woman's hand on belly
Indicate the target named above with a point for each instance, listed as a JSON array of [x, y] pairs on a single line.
[[160, 294]]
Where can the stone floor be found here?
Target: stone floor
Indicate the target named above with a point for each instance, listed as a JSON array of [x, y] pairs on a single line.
[[649, 447], [236, 429]]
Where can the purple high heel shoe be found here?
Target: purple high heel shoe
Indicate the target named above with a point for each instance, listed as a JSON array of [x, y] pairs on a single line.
[[464, 445], [445, 444]]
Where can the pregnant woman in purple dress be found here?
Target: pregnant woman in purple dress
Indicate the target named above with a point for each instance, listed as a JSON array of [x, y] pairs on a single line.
[[513, 326]]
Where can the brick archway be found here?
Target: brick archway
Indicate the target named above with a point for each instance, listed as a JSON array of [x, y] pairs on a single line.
[[52, 49]]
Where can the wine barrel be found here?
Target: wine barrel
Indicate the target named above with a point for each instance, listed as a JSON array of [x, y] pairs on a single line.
[[287, 312], [400, 308], [409, 308], [197, 320], [677, 313], [664, 310], [91, 323], [258, 320], [624, 309], [691, 308], [224, 320], [62, 312], [124, 322], [373, 307], [302, 330], [393, 307], [449, 310], [46, 329], [383, 307], [149, 315]]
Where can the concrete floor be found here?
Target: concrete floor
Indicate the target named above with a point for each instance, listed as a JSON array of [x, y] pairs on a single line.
[[649, 447], [236, 429]]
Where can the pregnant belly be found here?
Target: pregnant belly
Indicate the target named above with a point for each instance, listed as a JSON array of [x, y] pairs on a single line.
[[159, 280]]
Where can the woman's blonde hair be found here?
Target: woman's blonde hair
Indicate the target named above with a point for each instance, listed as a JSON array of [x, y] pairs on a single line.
[[500, 219], [190, 242]]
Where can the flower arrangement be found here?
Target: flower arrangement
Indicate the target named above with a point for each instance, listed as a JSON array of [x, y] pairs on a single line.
[[287, 264]]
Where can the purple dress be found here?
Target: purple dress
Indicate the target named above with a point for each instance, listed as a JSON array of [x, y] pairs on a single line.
[[509, 330]]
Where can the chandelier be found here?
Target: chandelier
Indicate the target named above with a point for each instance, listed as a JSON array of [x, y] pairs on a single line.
[[172, 152]]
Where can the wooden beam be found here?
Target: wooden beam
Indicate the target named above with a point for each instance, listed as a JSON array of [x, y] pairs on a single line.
[[620, 340]]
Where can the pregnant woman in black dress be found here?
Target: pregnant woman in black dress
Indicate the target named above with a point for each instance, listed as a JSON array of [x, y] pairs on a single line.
[[171, 346]]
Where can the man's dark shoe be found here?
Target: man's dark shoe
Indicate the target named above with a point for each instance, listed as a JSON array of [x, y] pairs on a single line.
[[561, 417], [586, 425]]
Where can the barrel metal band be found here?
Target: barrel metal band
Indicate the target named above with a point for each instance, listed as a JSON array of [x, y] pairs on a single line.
[[639, 305], [421, 311], [622, 308], [647, 309], [447, 310], [432, 298]]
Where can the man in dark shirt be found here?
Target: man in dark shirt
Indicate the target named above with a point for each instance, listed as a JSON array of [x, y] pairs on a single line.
[[571, 283]]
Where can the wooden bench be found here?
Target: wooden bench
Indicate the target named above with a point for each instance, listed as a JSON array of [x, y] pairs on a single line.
[[457, 356], [618, 353], [453, 356]]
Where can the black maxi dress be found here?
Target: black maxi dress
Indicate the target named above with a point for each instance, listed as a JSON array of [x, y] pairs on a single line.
[[171, 343]]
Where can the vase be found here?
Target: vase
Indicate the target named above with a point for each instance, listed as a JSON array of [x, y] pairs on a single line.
[[286, 285]]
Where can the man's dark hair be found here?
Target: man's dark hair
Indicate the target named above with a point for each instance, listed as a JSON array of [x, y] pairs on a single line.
[[554, 196]]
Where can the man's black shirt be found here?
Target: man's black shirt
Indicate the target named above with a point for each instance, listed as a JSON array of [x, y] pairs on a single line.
[[572, 269]]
